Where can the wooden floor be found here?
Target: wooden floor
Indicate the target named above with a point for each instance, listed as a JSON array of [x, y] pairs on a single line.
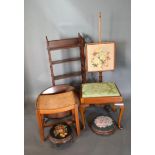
[[88, 143]]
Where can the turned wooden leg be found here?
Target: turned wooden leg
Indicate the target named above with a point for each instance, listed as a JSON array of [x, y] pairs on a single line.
[[77, 120], [82, 112], [40, 124], [121, 106]]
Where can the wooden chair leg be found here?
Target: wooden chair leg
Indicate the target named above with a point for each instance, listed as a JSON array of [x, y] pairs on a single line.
[[113, 108], [82, 112], [120, 115], [73, 115], [40, 124], [77, 120]]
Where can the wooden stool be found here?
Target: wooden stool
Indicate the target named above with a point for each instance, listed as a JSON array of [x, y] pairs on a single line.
[[51, 104]]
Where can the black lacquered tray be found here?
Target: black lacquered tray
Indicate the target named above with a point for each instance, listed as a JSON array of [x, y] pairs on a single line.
[[60, 133]]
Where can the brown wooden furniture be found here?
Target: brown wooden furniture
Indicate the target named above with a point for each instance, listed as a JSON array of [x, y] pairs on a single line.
[[114, 101], [57, 90], [54, 45], [105, 100], [51, 104], [59, 100]]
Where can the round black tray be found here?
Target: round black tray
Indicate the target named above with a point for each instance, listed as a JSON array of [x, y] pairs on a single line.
[[103, 130], [61, 135]]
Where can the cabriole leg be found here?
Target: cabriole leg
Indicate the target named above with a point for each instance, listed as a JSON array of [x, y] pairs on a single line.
[[121, 106]]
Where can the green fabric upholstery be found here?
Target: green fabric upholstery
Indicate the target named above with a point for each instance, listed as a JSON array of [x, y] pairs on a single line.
[[99, 89]]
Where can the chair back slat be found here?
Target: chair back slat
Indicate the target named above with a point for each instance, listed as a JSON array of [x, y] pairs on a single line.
[[63, 43], [63, 76], [66, 60], [54, 45]]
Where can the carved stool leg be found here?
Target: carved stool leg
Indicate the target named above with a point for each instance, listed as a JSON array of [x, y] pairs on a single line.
[[77, 120], [121, 106], [40, 124], [82, 111]]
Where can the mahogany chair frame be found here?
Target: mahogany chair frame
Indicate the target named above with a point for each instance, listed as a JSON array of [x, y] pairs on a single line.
[[54, 45]]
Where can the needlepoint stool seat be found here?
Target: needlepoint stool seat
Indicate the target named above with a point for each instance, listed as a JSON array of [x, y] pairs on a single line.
[[103, 125]]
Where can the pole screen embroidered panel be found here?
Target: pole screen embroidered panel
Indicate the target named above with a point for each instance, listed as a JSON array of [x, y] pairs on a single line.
[[100, 57]]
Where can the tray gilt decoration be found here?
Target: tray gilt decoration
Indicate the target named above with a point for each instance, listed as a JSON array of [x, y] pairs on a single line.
[[60, 133]]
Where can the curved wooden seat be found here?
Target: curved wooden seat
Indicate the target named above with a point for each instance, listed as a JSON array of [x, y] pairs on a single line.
[[57, 101], [57, 90]]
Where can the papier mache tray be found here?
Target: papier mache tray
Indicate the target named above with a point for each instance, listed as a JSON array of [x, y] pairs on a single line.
[[61, 133]]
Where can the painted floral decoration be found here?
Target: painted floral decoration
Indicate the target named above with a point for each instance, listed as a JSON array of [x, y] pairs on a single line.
[[61, 130]]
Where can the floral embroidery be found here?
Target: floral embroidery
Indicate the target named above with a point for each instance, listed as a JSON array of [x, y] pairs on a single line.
[[99, 89], [103, 121], [100, 58]]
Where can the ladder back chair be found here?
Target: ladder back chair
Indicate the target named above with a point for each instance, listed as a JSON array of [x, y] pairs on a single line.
[[59, 100], [54, 45]]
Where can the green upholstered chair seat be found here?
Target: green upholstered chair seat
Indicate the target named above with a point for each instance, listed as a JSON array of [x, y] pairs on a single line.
[[99, 89]]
